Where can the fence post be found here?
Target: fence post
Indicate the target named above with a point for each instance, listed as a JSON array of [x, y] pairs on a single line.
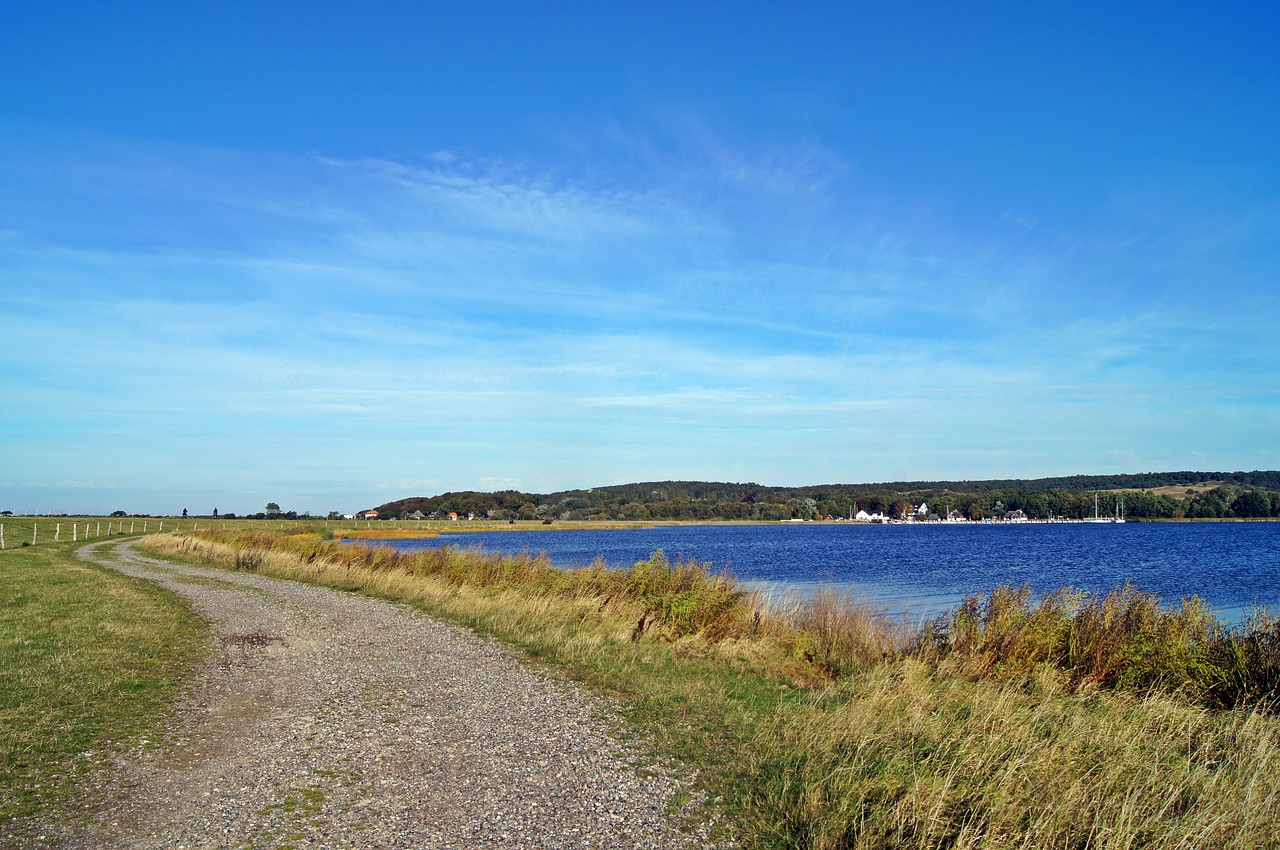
[[1, 535], [35, 527], [57, 532], [99, 534], [162, 526], [75, 532]]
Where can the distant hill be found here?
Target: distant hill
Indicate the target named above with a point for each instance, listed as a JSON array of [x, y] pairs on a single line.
[[1181, 494]]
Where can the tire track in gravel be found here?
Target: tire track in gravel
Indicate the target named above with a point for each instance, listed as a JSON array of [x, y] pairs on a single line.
[[332, 720]]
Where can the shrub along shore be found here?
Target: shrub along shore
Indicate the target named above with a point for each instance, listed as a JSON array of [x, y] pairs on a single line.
[[1071, 720]]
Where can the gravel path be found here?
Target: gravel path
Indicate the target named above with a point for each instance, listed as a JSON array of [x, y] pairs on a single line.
[[332, 720]]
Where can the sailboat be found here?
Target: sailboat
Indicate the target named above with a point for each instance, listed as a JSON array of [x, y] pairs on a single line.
[[1119, 517]]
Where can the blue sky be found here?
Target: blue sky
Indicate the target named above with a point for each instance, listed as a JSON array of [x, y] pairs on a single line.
[[333, 257]]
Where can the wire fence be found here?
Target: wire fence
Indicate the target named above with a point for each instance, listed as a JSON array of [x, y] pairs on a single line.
[[25, 531]]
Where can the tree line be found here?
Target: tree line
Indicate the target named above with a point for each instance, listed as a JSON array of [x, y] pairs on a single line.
[[1241, 495]]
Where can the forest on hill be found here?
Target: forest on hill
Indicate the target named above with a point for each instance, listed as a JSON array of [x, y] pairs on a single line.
[[1183, 495]]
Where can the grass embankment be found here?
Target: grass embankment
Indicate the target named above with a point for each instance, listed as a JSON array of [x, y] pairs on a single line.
[[88, 660], [1069, 722]]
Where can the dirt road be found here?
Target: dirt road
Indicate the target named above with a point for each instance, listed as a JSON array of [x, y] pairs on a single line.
[[332, 720]]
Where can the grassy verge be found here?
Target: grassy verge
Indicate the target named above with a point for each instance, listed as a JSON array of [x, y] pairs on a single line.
[[88, 660], [1066, 722]]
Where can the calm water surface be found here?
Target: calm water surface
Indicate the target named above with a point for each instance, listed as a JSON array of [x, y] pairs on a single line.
[[921, 570]]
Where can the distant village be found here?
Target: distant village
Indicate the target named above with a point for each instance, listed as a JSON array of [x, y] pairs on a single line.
[[921, 513], [434, 516]]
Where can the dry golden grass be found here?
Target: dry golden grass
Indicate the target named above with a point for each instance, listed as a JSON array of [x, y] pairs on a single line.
[[898, 757], [1180, 491]]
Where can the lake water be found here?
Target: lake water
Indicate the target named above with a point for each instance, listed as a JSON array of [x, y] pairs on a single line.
[[922, 570]]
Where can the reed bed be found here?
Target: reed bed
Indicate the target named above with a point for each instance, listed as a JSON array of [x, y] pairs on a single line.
[[899, 757], [1071, 720], [384, 534]]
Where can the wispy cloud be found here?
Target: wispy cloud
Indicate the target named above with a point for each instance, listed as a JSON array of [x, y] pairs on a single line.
[[475, 321]]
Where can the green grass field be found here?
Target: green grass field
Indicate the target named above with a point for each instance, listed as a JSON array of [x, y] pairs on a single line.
[[89, 659]]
